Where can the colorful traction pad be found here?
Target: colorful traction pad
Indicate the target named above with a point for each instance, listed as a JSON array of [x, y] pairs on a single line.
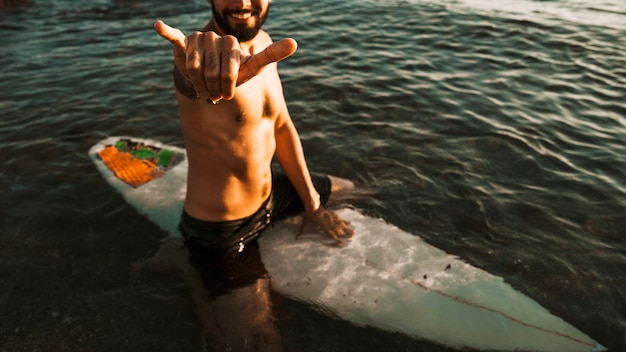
[[137, 163]]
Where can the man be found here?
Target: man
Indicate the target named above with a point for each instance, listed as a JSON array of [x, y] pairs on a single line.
[[235, 120]]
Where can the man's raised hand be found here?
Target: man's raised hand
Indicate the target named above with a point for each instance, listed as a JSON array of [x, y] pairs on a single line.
[[215, 65]]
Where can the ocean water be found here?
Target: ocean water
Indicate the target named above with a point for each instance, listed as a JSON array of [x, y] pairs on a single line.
[[495, 130]]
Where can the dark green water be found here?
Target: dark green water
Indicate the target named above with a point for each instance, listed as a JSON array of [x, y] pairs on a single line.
[[494, 130]]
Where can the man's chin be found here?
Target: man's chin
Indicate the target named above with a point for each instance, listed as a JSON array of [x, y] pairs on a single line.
[[241, 27], [244, 33]]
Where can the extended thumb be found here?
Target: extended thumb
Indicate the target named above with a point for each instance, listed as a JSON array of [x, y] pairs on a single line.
[[173, 35]]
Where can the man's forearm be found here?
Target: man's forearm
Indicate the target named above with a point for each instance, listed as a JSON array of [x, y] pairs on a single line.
[[290, 155]]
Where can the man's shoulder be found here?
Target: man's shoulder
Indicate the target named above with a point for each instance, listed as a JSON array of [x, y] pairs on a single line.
[[263, 39], [262, 32]]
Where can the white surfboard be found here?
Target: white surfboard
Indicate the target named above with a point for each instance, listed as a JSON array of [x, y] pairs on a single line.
[[384, 277]]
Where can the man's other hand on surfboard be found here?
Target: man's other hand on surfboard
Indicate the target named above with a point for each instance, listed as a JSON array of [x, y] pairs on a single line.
[[328, 222], [216, 64]]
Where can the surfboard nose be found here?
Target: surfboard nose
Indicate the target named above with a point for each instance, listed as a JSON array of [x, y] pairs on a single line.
[[599, 348]]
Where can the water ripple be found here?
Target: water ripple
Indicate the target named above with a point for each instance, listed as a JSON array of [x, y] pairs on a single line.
[[494, 130]]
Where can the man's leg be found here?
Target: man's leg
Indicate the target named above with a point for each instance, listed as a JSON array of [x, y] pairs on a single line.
[[340, 184], [340, 190]]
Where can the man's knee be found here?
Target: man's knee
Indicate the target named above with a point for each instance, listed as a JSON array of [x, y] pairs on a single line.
[[340, 184]]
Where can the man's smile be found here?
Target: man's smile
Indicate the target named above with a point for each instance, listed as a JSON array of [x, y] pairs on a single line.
[[241, 16]]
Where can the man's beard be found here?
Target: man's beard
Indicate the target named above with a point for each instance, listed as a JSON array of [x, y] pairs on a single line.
[[243, 33]]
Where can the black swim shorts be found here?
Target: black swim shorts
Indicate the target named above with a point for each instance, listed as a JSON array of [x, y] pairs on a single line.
[[234, 235]]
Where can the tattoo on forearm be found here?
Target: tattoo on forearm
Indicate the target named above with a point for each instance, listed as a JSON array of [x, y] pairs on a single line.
[[183, 85]]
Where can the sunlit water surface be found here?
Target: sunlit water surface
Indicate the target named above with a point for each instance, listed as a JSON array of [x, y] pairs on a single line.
[[495, 130]]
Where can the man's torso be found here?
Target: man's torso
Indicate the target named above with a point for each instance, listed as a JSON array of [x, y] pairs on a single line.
[[230, 146]]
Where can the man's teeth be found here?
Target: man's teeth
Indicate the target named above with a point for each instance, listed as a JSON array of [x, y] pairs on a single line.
[[242, 15]]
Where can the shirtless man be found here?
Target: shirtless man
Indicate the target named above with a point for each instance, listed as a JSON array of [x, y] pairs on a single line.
[[235, 120]]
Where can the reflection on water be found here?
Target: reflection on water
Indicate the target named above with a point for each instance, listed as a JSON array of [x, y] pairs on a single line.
[[231, 294]]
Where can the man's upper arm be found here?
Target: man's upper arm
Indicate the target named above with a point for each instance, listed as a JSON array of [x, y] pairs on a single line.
[[284, 125]]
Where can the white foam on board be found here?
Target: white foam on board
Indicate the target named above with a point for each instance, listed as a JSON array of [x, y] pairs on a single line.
[[391, 279]]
